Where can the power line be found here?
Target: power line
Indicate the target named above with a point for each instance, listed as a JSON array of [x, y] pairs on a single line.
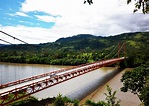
[[13, 37], [5, 41]]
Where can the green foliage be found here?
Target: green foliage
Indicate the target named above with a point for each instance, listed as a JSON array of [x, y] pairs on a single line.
[[141, 4], [64, 101], [128, 1], [110, 97], [145, 95], [88, 1], [136, 81], [22, 102], [91, 103], [59, 101], [76, 102], [79, 49]]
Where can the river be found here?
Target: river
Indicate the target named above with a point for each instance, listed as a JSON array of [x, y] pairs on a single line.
[[13, 71]]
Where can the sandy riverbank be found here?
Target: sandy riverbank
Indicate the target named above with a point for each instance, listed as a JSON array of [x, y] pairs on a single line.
[[127, 99]]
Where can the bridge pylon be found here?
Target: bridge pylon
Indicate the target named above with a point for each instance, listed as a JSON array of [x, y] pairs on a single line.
[[118, 50], [124, 50], [121, 47]]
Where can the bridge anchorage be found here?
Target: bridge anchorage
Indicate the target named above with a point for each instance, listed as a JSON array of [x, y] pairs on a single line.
[[22, 88]]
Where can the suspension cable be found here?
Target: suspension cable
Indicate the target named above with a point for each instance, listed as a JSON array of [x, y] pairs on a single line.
[[13, 37], [118, 50], [5, 41], [112, 51], [1, 77]]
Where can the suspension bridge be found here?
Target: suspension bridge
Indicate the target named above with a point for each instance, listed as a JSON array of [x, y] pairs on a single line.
[[22, 88]]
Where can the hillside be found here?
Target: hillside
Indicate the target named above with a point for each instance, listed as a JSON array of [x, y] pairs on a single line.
[[78, 49], [90, 42], [2, 45]]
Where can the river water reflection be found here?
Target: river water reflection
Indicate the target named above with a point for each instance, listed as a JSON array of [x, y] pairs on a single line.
[[10, 72]]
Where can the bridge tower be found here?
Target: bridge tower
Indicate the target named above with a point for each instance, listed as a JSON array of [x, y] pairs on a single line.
[[123, 48], [118, 49]]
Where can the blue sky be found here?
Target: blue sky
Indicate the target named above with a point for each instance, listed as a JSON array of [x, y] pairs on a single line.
[[11, 16], [42, 21]]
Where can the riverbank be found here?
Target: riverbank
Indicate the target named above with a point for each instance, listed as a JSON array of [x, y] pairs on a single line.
[[127, 99]]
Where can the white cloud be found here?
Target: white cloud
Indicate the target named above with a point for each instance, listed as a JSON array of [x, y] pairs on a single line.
[[104, 17], [53, 7], [77, 17], [46, 18], [28, 34], [19, 14], [26, 22]]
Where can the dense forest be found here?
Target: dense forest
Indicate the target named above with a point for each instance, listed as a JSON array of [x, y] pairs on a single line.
[[79, 49]]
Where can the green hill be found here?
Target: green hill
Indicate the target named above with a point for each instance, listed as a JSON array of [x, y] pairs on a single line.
[[79, 49]]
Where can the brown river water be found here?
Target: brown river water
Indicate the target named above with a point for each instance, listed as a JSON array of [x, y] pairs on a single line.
[[12, 71]]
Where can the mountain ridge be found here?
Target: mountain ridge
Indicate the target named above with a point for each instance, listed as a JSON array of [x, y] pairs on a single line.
[[78, 49]]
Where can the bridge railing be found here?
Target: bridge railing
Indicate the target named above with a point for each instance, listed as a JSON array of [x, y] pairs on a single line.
[[39, 76], [26, 90]]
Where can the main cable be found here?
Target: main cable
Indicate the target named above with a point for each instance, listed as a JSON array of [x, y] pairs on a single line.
[[118, 50], [5, 41], [111, 51], [13, 37]]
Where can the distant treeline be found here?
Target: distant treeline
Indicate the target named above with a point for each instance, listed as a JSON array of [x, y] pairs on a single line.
[[80, 49], [47, 58]]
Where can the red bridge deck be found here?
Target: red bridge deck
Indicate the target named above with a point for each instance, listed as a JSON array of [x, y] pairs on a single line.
[[23, 88]]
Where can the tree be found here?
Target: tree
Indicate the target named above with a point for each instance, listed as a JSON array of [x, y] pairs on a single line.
[[139, 4], [59, 101], [100, 103], [89, 2], [145, 95], [64, 101], [136, 81], [110, 98]]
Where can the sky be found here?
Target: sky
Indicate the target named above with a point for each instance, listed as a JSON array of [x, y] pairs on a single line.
[[42, 21]]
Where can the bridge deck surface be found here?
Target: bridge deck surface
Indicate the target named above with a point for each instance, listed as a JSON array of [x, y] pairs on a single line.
[[43, 78], [56, 77], [60, 73]]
